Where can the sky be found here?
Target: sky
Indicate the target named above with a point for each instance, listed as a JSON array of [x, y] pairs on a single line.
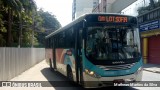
[[62, 9]]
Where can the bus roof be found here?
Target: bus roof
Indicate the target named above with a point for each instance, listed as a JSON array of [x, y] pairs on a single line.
[[67, 26], [80, 19]]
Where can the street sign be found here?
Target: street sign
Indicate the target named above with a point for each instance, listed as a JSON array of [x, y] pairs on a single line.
[[149, 26]]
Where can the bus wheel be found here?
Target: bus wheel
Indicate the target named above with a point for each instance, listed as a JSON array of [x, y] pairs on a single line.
[[50, 64], [69, 73]]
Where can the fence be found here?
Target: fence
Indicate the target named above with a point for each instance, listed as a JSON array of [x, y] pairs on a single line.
[[14, 61]]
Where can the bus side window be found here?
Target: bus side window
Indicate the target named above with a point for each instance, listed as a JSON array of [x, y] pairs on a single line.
[[80, 43], [52, 41], [56, 41], [62, 39], [69, 39], [49, 42], [72, 38]]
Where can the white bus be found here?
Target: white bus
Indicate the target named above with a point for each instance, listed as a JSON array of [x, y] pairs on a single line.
[[97, 48]]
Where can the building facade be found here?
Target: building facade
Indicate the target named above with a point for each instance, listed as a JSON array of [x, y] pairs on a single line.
[[149, 25], [103, 6], [80, 7], [112, 6]]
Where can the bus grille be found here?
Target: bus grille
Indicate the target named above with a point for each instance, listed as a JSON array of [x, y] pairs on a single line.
[[116, 67]]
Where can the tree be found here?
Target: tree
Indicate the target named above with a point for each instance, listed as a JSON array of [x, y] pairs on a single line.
[[14, 9], [21, 24], [49, 23], [10, 7]]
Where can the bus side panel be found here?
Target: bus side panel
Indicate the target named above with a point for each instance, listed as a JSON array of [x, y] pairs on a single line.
[[49, 54], [65, 57]]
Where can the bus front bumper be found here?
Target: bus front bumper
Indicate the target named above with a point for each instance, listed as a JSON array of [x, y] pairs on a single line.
[[91, 82]]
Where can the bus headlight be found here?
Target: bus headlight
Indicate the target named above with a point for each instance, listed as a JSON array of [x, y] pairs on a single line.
[[92, 73]]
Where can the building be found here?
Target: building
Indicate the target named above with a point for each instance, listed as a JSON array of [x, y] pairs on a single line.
[[112, 6], [80, 7], [149, 25], [103, 6]]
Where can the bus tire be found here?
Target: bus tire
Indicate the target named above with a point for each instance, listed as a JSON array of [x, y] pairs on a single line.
[[50, 65], [69, 73]]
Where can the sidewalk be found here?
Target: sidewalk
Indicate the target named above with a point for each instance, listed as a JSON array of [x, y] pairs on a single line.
[[152, 68]]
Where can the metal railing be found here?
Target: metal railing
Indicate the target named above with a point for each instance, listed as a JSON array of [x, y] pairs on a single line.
[[14, 61]]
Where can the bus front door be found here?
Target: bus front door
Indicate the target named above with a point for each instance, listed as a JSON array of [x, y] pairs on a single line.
[[80, 45]]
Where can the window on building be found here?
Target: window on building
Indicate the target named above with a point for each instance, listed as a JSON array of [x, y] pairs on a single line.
[[159, 12], [140, 19], [155, 14], [144, 18], [104, 9], [151, 16], [147, 16]]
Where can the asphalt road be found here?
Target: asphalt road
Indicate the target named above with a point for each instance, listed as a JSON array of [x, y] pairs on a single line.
[[57, 81]]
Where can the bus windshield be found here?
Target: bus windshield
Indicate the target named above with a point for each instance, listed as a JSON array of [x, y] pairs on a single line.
[[112, 43]]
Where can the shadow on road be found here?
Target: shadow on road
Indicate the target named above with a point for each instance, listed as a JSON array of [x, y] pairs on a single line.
[[151, 66], [60, 82]]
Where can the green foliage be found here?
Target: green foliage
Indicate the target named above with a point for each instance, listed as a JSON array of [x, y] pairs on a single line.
[[21, 24], [2, 41], [2, 28], [15, 16], [49, 24], [49, 21]]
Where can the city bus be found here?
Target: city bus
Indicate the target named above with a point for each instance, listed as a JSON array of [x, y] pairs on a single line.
[[95, 49]]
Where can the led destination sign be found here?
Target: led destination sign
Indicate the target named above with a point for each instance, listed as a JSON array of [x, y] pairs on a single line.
[[116, 19], [111, 19]]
